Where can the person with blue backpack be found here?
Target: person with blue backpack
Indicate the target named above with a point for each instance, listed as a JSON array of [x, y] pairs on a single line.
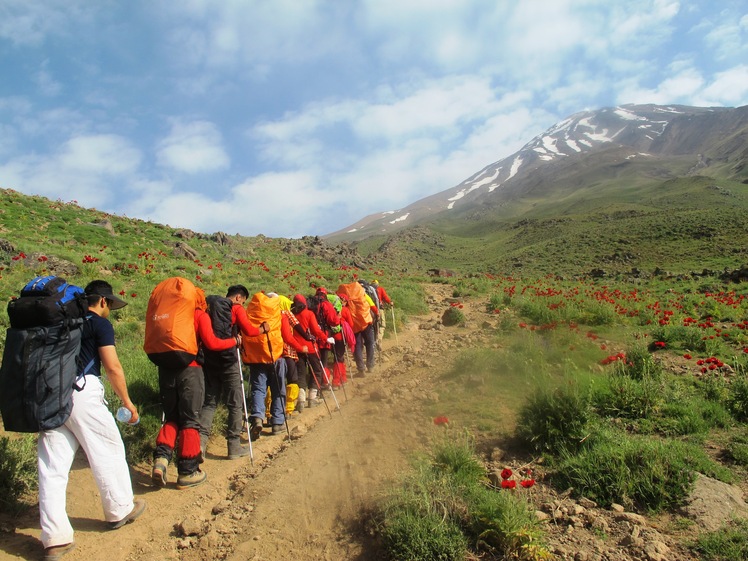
[[92, 427]]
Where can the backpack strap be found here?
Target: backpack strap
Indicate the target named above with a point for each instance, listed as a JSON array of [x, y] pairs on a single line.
[[85, 328]]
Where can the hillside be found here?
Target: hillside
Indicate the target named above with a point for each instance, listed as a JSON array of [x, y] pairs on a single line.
[[634, 187], [616, 147]]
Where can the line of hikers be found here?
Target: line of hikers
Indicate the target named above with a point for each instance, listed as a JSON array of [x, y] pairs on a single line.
[[295, 348], [61, 334]]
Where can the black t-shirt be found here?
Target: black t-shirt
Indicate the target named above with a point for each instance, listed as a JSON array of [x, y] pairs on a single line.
[[97, 332]]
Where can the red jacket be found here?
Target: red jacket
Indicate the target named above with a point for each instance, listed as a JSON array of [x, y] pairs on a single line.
[[383, 296], [307, 325], [205, 335], [289, 338]]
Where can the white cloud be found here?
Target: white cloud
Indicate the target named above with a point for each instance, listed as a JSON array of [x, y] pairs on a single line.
[[102, 154], [729, 87], [252, 207], [193, 147], [88, 169]]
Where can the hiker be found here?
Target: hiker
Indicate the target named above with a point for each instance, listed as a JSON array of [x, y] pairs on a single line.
[[360, 314], [182, 392], [383, 298], [91, 426], [267, 368], [222, 369], [329, 322], [366, 340], [345, 339], [296, 385], [308, 332]]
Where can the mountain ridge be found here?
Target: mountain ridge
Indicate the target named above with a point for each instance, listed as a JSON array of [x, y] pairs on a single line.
[[677, 138]]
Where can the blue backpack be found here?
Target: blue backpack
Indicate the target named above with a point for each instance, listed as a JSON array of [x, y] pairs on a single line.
[[40, 365]]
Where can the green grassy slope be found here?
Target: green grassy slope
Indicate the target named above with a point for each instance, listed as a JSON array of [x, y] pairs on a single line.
[[682, 224]]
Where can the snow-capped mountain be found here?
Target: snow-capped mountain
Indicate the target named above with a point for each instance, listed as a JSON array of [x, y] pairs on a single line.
[[626, 133]]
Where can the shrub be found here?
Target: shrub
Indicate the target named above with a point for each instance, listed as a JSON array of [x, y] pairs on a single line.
[[738, 396], [444, 505], [556, 420], [457, 459], [18, 475], [737, 448], [453, 316], [639, 364], [646, 472], [627, 397], [410, 535], [727, 544], [501, 522]]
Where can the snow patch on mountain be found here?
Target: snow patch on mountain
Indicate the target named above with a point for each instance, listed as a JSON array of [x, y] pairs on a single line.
[[515, 167], [400, 218]]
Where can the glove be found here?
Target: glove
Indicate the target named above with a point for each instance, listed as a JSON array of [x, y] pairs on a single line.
[[331, 340]]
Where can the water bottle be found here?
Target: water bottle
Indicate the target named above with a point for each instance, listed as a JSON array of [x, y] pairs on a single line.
[[123, 415]]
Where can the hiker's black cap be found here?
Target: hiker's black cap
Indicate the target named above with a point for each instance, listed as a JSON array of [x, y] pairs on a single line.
[[106, 292]]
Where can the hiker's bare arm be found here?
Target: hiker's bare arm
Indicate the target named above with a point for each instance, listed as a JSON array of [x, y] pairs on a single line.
[[116, 375]]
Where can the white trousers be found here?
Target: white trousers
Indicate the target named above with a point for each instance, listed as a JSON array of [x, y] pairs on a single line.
[[93, 427]]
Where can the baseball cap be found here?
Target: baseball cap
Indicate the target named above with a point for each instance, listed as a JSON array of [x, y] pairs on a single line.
[[104, 289]]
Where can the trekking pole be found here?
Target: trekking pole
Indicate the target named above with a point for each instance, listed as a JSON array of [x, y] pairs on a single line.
[[278, 383], [348, 362], [394, 327], [316, 381], [244, 406], [329, 384]]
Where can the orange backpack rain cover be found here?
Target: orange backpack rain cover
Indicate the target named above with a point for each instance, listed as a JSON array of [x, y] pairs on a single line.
[[170, 339], [360, 309], [255, 349]]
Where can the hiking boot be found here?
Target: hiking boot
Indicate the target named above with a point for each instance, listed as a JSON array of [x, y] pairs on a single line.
[[312, 403], [158, 475], [301, 400], [278, 429], [57, 551], [256, 429], [192, 479], [136, 511], [236, 450]]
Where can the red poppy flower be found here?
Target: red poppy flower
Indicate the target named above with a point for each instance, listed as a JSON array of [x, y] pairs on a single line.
[[527, 483], [443, 420], [508, 484], [506, 473], [687, 356]]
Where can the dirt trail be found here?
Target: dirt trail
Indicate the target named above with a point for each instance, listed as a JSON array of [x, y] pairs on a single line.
[[302, 500]]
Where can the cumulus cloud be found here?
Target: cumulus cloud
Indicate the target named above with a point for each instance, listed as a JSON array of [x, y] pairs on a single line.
[[87, 168], [193, 147], [257, 205]]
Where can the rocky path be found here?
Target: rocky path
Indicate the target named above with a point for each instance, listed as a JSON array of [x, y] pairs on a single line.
[[300, 500]]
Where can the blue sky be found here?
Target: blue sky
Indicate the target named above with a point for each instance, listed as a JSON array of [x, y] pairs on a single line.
[[299, 117]]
